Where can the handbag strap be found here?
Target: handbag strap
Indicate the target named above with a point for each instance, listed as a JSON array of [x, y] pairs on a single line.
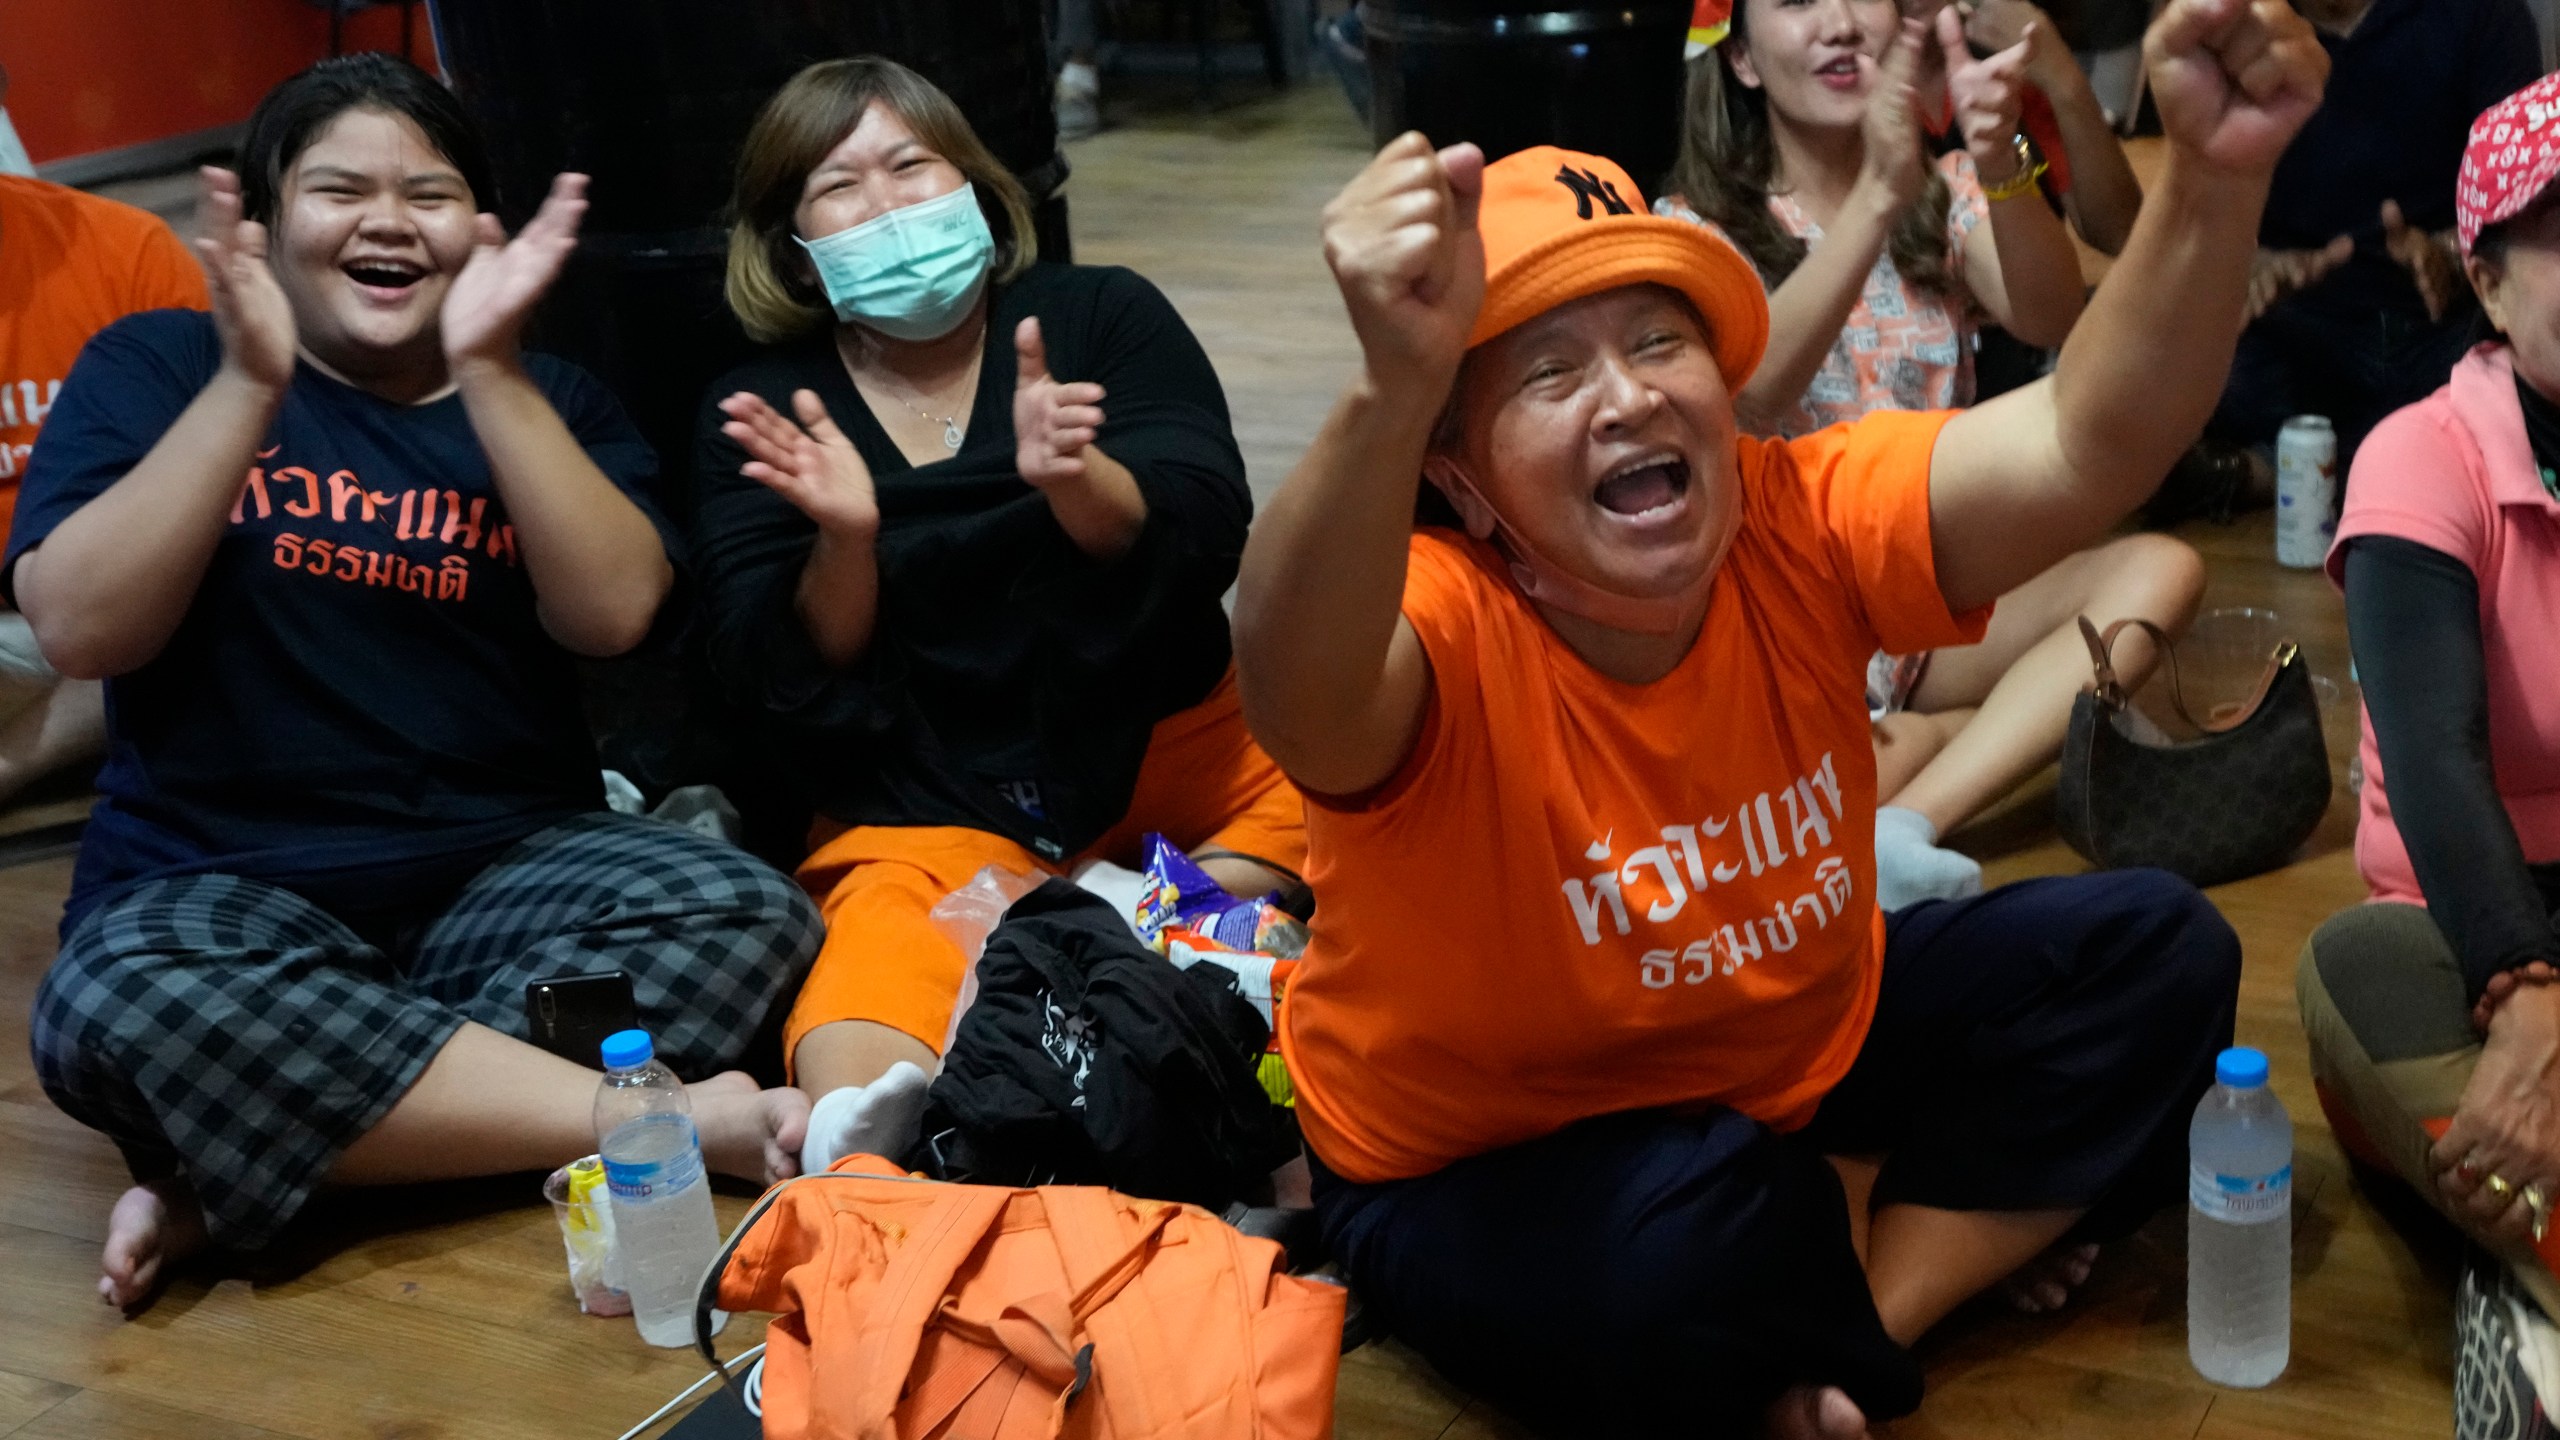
[[2111, 691]]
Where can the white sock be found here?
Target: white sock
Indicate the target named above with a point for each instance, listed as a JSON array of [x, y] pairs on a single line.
[[1080, 79], [1910, 867], [875, 1119]]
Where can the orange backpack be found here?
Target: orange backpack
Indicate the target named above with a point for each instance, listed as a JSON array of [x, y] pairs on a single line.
[[911, 1309]]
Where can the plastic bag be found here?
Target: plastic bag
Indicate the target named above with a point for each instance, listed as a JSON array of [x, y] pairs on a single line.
[[620, 795], [702, 809], [1122, 888], [577, 1195], [965, 917]]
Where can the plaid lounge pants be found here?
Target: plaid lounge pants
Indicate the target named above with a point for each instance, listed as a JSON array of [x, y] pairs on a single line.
[[232, 1031]]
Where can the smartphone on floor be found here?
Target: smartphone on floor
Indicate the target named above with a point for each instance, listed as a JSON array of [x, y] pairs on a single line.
[[572, 1014]]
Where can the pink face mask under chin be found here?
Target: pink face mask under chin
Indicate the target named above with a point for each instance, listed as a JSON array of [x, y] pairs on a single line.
[[1547, 583]]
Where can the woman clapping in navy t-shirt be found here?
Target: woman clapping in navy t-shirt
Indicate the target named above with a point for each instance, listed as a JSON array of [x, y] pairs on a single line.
[[333, 548]]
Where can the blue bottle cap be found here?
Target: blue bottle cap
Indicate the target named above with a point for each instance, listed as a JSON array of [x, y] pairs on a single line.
[[2239, 1067], [630, 1049]]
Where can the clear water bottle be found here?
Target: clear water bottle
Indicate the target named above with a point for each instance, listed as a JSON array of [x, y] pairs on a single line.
[[2240, 1227], [663, 1229]]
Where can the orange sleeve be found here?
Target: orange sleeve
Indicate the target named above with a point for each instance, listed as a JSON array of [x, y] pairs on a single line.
[[165, 276], [1869, 486], [1440, 603]]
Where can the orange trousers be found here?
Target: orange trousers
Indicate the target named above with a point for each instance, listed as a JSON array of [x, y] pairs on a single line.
[[1204, 783]]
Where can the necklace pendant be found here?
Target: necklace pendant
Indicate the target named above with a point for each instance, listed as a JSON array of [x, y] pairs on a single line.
[[951, 435]]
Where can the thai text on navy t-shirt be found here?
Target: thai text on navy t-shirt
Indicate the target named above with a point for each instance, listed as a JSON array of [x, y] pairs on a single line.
[[361, 703]]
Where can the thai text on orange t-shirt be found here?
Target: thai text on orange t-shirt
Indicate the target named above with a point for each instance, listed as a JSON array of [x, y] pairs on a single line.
[[1578, 896], [71, 264]]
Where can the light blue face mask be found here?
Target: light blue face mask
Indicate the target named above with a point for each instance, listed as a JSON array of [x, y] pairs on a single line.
[[913, 273]]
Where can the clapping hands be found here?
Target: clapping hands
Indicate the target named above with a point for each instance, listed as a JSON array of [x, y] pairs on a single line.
[[249, 310], [811, 463], [1053, 421], [491, 299], [1988, 94]]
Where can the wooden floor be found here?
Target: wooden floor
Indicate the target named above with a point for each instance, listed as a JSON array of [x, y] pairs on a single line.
[[446, 1314]]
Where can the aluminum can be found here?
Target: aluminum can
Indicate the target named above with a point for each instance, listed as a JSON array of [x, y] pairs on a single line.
[[2306, 491]]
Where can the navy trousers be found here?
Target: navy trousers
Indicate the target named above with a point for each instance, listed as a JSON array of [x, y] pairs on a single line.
[[2039, 1047]]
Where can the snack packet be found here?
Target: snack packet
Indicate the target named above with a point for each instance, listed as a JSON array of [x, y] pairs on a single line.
[[1179, 893], [1177, 890]]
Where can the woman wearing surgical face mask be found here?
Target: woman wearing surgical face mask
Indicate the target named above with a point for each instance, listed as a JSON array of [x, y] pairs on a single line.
[[965, 528]]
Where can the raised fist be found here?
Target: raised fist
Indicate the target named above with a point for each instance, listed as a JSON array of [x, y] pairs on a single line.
[[2234, 79], [1401, 239]]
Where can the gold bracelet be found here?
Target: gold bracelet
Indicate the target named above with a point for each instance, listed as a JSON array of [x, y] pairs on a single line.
[[2030, 170]]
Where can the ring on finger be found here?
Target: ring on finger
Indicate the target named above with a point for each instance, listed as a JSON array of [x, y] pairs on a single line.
[[2499, 1185], [2538, 1201]]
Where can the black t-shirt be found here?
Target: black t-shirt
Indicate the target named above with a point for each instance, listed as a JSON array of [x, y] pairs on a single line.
[[361, 704], [1012, 681], [2403, 91]]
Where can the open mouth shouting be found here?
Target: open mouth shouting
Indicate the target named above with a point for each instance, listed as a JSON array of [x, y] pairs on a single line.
[[1844, 73], [384, 279], [1648, 491]]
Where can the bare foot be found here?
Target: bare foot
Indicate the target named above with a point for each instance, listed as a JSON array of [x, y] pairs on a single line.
[[746, 1132], [1810, 1413], [2045, 1283], [152, 1228]]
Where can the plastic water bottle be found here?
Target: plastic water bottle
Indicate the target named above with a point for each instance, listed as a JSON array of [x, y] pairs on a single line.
[[663, 1229], [2239, 1227]]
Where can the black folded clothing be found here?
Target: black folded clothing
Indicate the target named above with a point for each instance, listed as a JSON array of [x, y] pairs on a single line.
[[1088, 1059]]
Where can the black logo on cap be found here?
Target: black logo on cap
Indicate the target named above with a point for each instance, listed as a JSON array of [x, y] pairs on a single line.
[[1587, 187]]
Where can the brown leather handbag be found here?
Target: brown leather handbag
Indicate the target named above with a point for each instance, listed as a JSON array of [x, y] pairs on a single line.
[[2236, 801]]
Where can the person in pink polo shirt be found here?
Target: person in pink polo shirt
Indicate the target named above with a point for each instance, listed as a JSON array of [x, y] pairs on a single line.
[[2434, 1009]]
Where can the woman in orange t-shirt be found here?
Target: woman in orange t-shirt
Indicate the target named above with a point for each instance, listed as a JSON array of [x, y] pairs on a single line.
[[1598, 983]]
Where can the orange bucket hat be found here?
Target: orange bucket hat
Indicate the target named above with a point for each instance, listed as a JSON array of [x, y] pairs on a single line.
[[1559, 225]]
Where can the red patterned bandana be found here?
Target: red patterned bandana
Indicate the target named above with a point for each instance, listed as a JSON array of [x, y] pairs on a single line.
[[2513, 157]]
